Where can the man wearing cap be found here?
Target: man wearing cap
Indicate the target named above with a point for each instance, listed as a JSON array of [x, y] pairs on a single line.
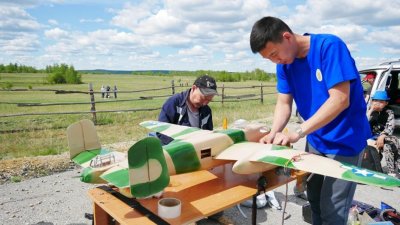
[[190, 107], [370, 78], [381, 120]]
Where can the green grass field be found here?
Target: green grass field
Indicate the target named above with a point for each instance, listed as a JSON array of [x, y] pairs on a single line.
[[34, 135]]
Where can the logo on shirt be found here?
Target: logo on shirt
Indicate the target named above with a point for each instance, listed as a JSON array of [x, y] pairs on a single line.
[[318, 74]]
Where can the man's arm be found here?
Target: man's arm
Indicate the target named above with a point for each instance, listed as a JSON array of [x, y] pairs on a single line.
[[167, 112], [337, 102], [283, 110]]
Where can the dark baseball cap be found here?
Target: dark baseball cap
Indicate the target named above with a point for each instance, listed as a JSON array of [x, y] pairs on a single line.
[[207, 85]]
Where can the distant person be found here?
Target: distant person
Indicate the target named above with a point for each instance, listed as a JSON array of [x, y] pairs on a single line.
[[381, 120], [103, 91], [115, 91], [190, 107], [108, 89]]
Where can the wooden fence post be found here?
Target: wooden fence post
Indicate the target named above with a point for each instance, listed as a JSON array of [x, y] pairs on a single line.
[[222, 96], [93, 108], [262, 94], [173, 87]]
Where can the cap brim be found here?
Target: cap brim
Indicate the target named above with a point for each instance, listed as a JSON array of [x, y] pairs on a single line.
[[208, 91], [381, 99]]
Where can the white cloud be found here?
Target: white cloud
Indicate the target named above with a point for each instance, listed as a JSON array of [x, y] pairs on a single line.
[[52, 22], [13, 18], [387, 37], [97, 20], [196, 51], [18, 44], [391, 51], [56, 33], [362, 12], [130, 15], [17, 32], [162, 22], [181, 34]]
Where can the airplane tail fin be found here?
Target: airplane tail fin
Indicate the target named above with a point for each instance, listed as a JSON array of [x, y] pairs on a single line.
[[82, 136], [148, 171]]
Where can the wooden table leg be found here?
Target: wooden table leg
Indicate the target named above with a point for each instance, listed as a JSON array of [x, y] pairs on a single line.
[[100, 216]]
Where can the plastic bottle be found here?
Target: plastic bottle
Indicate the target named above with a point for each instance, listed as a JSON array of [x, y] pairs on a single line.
[[353, 216]]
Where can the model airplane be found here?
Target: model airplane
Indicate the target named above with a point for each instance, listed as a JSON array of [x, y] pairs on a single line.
[[146, 169]]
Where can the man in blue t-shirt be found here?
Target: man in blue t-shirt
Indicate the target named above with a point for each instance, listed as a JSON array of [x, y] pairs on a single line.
[[319, 74]]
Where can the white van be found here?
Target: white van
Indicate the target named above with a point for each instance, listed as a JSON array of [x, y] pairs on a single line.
[[386, 78]]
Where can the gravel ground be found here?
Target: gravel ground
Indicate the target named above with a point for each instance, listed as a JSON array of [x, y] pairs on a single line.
[[62, 199]]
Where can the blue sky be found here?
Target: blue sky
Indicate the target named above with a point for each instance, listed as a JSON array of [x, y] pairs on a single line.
[[184, 35]]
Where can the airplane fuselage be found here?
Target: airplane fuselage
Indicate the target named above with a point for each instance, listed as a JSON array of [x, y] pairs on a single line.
[[198, 152]]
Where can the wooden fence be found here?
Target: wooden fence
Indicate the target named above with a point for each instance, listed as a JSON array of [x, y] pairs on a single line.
[[93, 102]]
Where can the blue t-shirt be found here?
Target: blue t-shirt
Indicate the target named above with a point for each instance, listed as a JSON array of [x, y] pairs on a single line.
[[308, 80]]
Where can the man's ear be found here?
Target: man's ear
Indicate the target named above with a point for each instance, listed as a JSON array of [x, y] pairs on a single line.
[[287, 35]]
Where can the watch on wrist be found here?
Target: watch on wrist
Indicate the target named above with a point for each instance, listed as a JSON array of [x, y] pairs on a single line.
[[300, 132]]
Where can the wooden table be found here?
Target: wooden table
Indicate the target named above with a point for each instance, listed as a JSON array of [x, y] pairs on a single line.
[[202, 193]]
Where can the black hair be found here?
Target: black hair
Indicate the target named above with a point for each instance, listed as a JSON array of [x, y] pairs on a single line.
[[267, 29]]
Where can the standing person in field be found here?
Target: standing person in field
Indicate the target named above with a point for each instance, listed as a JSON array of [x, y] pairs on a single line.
[[115, 91], [108, 88], [319, 74], [103, 91], [190, 107]]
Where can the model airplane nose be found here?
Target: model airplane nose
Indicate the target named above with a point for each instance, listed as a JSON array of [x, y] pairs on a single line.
[[86, 175]]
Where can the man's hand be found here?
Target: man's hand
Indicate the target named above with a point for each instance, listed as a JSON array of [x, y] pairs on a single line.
[[280, 138], [268, 139], [380, 141]]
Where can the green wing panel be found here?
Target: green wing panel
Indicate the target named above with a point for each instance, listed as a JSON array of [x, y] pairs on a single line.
[[236, 135], [186, 131], [278, 161], [168, 129]]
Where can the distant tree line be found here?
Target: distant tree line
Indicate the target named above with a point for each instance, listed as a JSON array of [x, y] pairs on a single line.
[[66, 74], [17, 68], [223, 76], [58, 74]]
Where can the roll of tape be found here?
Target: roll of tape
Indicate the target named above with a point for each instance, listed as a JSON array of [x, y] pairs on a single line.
[[169, 208]]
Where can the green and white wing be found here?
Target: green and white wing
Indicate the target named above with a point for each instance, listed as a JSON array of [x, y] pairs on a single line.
[[250, 154], [174, 131], [325, 166]]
